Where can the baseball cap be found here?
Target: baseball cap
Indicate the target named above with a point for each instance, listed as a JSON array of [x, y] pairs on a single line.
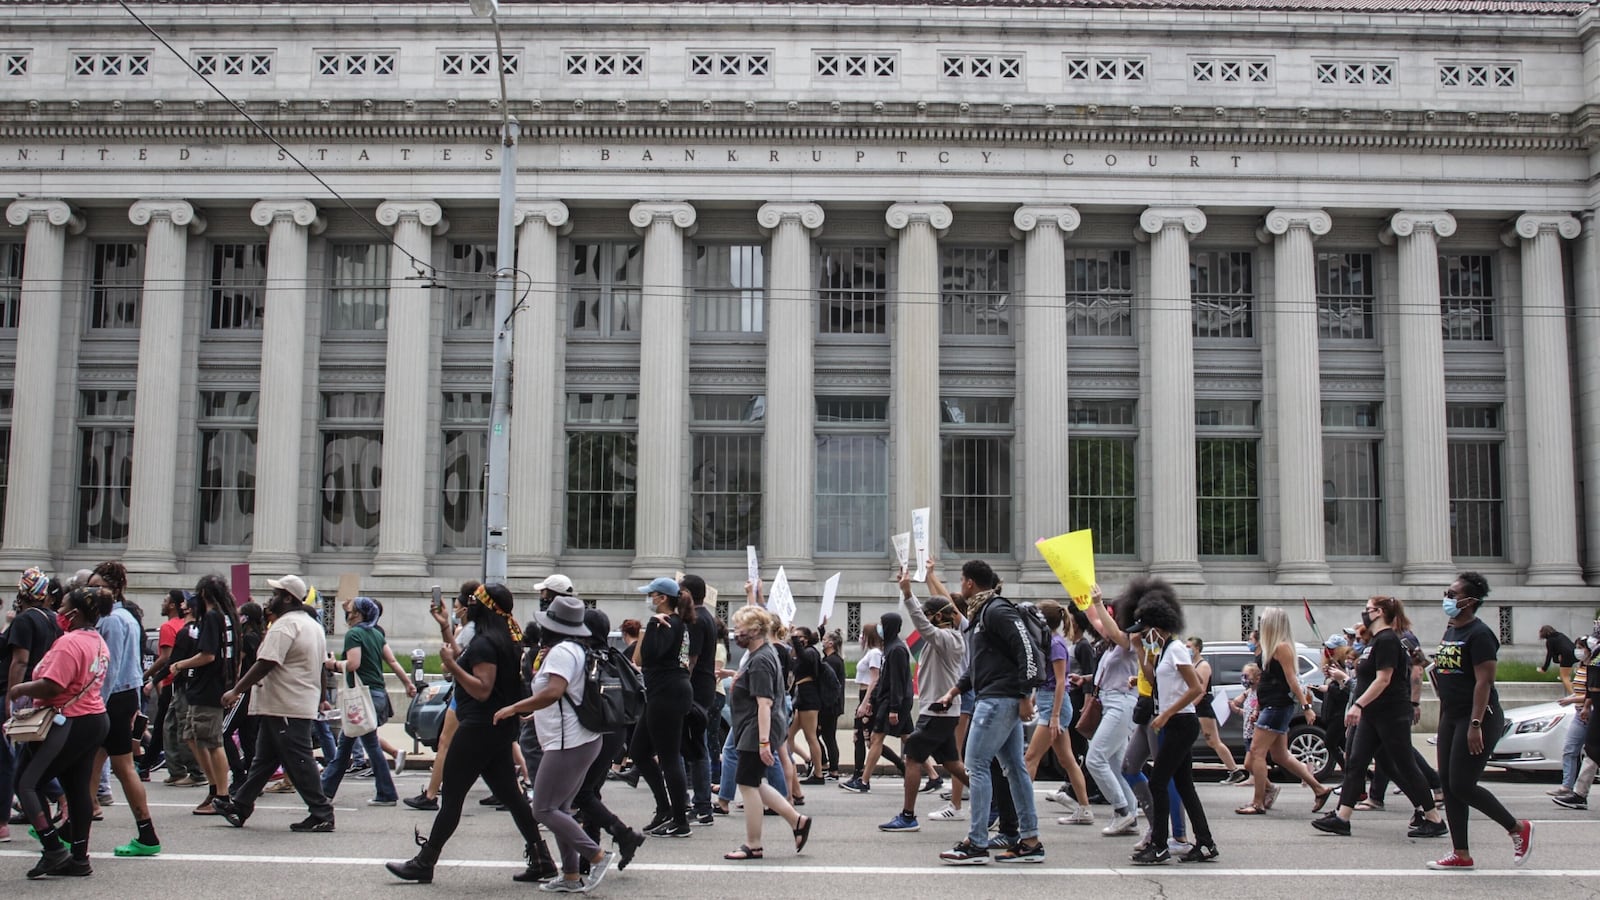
[[1336, 641], [561, 584], [294, 584], [662, 585]]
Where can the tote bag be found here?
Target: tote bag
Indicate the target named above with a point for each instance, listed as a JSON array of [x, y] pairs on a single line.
[[355, 704]]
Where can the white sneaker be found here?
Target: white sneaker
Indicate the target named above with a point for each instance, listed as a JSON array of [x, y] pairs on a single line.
[[1063, 798], [1177, 847], [1080, 816], [946, 794], [948, 814], [1121, 825], [399, 761]]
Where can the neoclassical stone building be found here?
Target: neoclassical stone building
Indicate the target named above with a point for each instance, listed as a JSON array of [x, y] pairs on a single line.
[[1285, 299]]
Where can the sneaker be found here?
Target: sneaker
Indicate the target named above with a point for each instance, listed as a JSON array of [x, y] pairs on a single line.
[[1178, 846], [662, 817], [1237, 776], [1121, 826], [5, 834], [1272, 794], [186, 781], [672, 830], [965, 853], [1063, 798], [422, 802], [105, 799], [856, 786], [1332, 824], [376, 802], [597, 871], [399, 762], [948, 813], [1003, 841], [705, 818], [1083, 815], [137, 847], [1452, 863], [901, 822], [1558, 790], [1200, 854], [946, 794], [1571, 800], [1426, 829], [51, 861], [564, 886], [1022, 853], [1522, 842], [1152, 856], [313, 825], [932, 784]]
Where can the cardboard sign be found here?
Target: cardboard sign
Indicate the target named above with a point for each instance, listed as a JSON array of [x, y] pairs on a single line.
[[919, 540], [781, 603], [830, 590], [1071, 557], [752, 568], [902, 549], [349, 588]]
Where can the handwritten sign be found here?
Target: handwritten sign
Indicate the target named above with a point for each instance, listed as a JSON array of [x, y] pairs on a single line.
[[752, 568], [919, 541], [830, 590], [902, 549], [781, 603], [1071, 557]]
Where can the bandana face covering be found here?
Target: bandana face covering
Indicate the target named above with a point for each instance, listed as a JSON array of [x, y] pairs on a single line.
[[482, 596]]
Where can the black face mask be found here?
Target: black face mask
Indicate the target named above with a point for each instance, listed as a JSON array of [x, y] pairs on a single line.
[[1366, 619]]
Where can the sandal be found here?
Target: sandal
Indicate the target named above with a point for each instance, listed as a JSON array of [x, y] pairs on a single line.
[[1369, 806], [1250, 810], [744, 852], [1322, 800], [1272, 795], [802, 834]]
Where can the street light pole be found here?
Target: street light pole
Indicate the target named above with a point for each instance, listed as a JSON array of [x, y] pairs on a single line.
[[497, 475]]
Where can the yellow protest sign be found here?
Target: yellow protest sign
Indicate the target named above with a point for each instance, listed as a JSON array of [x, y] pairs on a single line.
[[1071, 557]]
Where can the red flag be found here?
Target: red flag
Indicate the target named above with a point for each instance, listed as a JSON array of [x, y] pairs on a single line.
[[1310, 619]]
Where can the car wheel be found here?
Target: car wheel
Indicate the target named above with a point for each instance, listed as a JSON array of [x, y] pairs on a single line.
[[1309, 745]]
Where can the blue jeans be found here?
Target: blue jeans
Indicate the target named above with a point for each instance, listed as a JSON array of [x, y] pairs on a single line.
[[996, 733], [730, 764], [383, 781], [322, 733], [1572, 751]]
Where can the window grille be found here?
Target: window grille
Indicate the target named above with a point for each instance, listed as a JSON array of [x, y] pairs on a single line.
[[227, 470], [105, 466], [602, 468], [352, 469]]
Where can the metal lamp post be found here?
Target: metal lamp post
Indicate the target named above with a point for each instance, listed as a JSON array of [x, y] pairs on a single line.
[[498, 471]]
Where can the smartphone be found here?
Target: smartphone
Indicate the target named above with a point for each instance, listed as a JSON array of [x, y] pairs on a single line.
[[438, 598], [939, 706]]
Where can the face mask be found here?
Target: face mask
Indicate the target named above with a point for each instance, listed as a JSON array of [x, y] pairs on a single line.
[[455, 621], [1253, 647], [1151, 644], [1451, 608], [1366, 619], [742, 639]]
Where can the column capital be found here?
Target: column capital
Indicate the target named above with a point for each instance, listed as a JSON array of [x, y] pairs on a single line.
[[301, 212], [937, 215], [426, 212], [179, 212], [56, 212], [1028, 218], [646, 213], [1279, 221], [1528, 226], [809, 215], [1406, 222], [553, 212], [1156, 218]]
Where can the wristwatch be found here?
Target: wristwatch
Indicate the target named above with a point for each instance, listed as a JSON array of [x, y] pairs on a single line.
[[1477, 723]]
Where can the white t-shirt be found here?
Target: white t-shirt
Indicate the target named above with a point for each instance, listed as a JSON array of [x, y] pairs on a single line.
[[293, 689], [557, 724], [872, 659], [1170, 683]]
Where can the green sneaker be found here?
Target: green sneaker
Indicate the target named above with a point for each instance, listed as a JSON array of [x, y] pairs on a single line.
[[137, 847]]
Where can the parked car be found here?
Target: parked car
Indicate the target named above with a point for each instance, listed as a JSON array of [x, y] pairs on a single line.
[[1533, 738], [1308, 742]]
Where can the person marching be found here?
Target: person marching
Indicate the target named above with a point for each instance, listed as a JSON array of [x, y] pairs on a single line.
[[122, 634], [756, 722], [1278, 692]]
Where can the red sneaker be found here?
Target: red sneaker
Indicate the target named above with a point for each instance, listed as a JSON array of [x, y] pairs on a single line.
[[1455, 862], [1522, 842]]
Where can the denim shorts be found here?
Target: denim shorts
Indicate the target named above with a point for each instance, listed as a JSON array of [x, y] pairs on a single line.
[[1042, 699], [969, 702], [1275, 719]]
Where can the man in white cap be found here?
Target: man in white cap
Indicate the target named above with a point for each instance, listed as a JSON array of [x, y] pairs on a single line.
[[556, 585]]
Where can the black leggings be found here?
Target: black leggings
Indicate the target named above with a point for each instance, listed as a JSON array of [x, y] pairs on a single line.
[[1174, 765], [1380, 773], [67, 754], [828, 733], [1459, 771], [481, 751], [1384, 735], [591, 808], [657, 748], [863, 735]]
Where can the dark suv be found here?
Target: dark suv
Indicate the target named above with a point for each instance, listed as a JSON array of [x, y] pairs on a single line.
[[1308, 742]]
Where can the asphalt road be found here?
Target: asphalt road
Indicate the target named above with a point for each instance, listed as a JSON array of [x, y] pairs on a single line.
[[1261, 857]]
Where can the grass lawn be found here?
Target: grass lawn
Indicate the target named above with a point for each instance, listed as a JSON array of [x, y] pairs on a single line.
[[1516, 670]]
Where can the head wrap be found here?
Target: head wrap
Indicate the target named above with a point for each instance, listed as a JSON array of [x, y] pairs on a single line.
[[482, 596], [34, 582], [367, 608]]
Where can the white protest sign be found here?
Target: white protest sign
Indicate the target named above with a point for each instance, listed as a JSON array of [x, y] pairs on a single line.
[[830, 590], [781, 603], [902, 549], [919, 540], [752, 567]]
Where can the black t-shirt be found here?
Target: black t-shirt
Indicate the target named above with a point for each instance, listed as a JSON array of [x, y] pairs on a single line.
[[508, 687], [34, 629], [1386, 652], [184, 645], [203, 686], [806, 664], [703, 647], [1460, 651], [664, 656]]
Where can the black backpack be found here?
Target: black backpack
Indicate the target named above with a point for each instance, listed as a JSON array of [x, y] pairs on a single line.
[[1039, 632], [613, 691]]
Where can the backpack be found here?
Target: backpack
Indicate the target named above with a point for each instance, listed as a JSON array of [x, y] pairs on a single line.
[[829, 687], [613, 691], [1039, 633]]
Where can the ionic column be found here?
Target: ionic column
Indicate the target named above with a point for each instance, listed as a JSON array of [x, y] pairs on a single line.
[[1043, 333], [536, 379], [161, 361], [408, 385], [789, 460], [1553, 527], [1302, 556], [1424, 452], [662, 524], [33, 412], [914, 363], [279, 430], [1175, 547], [1586, 324]]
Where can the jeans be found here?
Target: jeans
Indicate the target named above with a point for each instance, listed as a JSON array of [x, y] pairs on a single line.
[[1108, 747], [996, 734], [726, 788], [383, 780], [324, 736], [1571, 754]]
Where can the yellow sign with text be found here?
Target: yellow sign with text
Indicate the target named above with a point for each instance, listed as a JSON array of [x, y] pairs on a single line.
[[1071, 557]]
